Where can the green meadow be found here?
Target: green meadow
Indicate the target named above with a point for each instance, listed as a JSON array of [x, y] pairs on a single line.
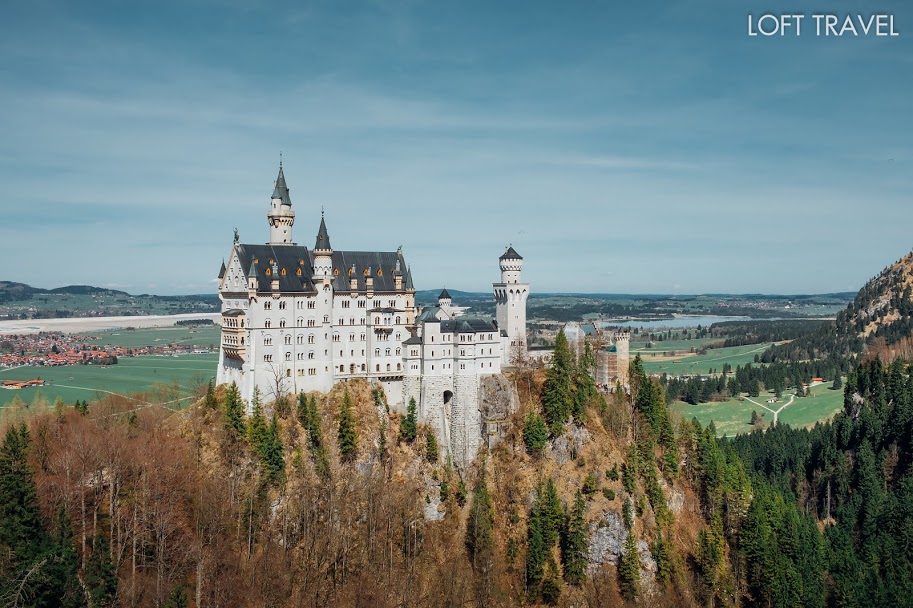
[[734, 416], [204, 336], [661, 348], [701, 364], [166, 376]]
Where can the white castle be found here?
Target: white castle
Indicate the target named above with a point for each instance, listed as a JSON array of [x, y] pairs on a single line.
[[296, 319]]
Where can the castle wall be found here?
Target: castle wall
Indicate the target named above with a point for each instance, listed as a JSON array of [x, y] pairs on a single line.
[[465, 422]]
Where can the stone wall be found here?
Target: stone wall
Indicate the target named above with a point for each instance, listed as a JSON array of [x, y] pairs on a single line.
[[497, 403]]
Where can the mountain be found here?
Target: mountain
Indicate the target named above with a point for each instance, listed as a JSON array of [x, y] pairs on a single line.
[[879, 320]]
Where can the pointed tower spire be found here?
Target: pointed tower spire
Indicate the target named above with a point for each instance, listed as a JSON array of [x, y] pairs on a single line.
[[281, 217], [323, 237], [281, 191]]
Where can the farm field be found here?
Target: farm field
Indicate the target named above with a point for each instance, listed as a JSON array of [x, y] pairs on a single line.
[[734, 417], [701, 364], [681, 346], [204, 336], [131, 375]]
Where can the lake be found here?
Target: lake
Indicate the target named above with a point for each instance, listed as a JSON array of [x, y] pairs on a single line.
[[677, 322]]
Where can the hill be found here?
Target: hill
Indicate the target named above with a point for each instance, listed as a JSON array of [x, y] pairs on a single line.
[[22, 301], [879, 321]]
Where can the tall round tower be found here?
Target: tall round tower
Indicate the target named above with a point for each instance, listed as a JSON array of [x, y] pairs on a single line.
[[510, 304], [280, 216]]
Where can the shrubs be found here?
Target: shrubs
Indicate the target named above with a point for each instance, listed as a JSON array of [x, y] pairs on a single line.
[[535, 433]]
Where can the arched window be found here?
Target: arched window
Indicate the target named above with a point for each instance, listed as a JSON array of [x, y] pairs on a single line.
[[281, 322], [376, 352], [267, 324], [397, 352], [288, 339], [326, 318], [376, 320], [397, 322], [288, 356], [378, 367], [387, 352]]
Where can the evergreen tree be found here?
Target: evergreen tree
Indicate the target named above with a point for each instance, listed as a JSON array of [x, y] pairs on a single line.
[[382, 439], [100, 574], [574, 543], [301, 411], [177, 598], [479, 526], [408, 428], [838, 382], [551, 512], [271, 452], [551, 584], [535, 433], [662, 554], [21, 531], [347, 436], [210, 401], [629, 568], [234, 411], [62, 568], [431, 451], [256, 425], [557, 396], [535, 549], [82, 407]]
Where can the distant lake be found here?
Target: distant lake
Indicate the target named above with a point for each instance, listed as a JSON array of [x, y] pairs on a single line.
[[677, 322]]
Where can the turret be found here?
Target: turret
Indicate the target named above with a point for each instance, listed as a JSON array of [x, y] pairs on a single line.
[[323, 253], [281, 217], [510, 306], [443, 300]]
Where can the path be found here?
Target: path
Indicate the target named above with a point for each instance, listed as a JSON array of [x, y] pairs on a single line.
[[776, 413]]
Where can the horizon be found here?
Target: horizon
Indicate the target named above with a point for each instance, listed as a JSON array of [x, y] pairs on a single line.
[[621, 149]]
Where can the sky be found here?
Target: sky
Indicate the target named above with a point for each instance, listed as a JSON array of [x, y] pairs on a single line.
[[642, 147]]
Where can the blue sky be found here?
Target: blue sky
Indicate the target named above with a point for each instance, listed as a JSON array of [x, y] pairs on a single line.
[[623, 148]]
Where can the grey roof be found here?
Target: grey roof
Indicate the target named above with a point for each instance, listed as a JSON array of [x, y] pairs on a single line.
[[291, 258], [408, 283], [222, 270], [323, 237], [281, 190], [233, 312], [511, 254], [467, 326], [429, 314], [444, 295], [413, 340]]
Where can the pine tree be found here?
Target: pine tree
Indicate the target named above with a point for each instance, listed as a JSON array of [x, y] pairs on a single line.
[[100, 574], [408, 427], [551, 584], [234, 411], [557, 396], [21, 531], [552, 514], [431, 450], [347, 435], [63, 567], [256, 425], [535, 433], [629, 568], [382, 439], [301, 410], [574, 544], [838, 382], [210, 401], [178, 598], [272, 452], [535, 549], [479, 527], [82, 407], [662, 554]]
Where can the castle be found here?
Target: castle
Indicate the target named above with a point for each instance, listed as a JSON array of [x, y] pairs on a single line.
[[612, 350], [296, 319]]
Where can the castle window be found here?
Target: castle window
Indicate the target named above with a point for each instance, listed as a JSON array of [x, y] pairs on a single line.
[[399, 366], [282, 305], [376, 320], [288, 339], [326, 318], [362, 337], [288, 356], [398, 335], [342, 368], [298, 272], [335, 337], [267, 341], [311, 322], [351, 337], [281, 322], [267, 358], [387, 352], [311, 339], [388, 367], [336, 274], [299, 340], [311, 355], [299, 322], [267, 305], [397, 321], [312, 304], [361, 303], [345, 303], [362, 367], [376, 352], [376, 303], [378, 367]]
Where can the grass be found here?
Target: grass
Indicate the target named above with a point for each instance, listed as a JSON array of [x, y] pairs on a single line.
[[701, 364], [150, 373], [681, 346], [206, 335], [734, 417]]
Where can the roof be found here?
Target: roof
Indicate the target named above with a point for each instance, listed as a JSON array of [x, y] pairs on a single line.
[[413, 340], [222, 270], [511, 254], [467, 326], [233, 312], [429, 314], [323, 237], [281, 190], [293, 258], [444, 295]]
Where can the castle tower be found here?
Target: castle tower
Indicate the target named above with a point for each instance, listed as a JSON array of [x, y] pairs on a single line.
[[280, 216], [510, 303], [622, 342], [323, 254], [443, 300]]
